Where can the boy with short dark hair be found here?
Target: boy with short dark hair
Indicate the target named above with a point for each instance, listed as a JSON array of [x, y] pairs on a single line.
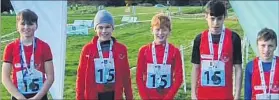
[[30, 61], [215, 52]]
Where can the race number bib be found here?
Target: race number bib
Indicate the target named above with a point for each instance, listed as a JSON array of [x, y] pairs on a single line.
[[158, 76], [104, 74], [267, 97], [212, 74], [31, 83]]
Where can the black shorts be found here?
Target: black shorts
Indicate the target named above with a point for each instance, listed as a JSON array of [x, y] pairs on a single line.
[[27, 96], [106, 96]]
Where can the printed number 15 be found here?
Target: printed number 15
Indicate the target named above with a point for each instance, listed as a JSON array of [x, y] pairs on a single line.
[[162, 79]]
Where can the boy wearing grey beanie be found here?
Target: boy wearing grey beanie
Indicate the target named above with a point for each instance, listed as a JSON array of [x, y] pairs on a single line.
[[103, 71], [103, 16]]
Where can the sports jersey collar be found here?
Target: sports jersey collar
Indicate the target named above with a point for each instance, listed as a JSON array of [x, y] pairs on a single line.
[[159, 45], [95, 39]]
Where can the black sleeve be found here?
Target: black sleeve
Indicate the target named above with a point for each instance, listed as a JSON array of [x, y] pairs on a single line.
[[196, 50], [237, 54]]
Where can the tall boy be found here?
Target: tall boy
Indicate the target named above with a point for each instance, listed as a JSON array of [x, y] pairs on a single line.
[[216, 50]]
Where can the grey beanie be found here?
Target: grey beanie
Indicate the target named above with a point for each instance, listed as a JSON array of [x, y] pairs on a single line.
[[103, 16]]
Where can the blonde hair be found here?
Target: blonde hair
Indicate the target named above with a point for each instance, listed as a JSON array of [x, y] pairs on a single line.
[[161, 20]]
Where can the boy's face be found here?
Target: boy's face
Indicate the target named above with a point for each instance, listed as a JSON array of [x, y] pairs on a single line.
[[104, 31], [26, 29], [215, 24], [266, 48], [160, 34]]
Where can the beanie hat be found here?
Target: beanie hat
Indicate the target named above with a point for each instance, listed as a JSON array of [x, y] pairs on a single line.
[[103, 16]]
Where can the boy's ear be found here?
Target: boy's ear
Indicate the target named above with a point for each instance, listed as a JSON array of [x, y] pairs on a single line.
[[112, 26], [225, 17], [36, 26], [205, 16], [151, 30], [16, 27]]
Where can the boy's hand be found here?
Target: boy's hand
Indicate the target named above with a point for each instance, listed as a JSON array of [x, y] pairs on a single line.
[[194, 97], [160, 90], [22, 98], [108, 86], [34, 98], [236, 97]]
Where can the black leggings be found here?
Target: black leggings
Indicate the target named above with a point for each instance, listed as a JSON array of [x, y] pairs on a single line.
[[106, 96], [27, 96]]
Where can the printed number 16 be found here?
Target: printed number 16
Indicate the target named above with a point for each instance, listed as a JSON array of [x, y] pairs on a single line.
[[215, 78]]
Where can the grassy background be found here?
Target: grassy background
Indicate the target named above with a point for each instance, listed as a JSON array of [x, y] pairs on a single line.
[[133, 36]]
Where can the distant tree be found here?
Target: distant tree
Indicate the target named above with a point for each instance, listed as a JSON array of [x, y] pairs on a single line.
[[6, 5], [149, 1], [116, 2], [181, 2], [129, 2]]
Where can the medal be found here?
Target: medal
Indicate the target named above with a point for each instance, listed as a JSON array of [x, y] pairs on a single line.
[[23, 61], [271, 78], [160, 89], [157, 67], [28, 70], [105, 62], [220, 47]]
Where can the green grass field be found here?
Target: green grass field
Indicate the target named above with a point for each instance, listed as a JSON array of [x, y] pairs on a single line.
[[133, 36]]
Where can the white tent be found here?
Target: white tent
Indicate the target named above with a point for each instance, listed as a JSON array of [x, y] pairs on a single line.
[[255, 15], [51, 29]]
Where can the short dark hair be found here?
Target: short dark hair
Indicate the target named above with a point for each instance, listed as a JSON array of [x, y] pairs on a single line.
[[27, 16], [267, 34], [215, 8]]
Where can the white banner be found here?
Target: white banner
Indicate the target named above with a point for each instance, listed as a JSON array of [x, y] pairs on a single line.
[[255, 15], [77, 29], [52, 20], [87, 23]]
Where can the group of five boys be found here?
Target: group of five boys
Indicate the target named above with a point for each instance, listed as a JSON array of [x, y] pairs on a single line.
[[103, 71]]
